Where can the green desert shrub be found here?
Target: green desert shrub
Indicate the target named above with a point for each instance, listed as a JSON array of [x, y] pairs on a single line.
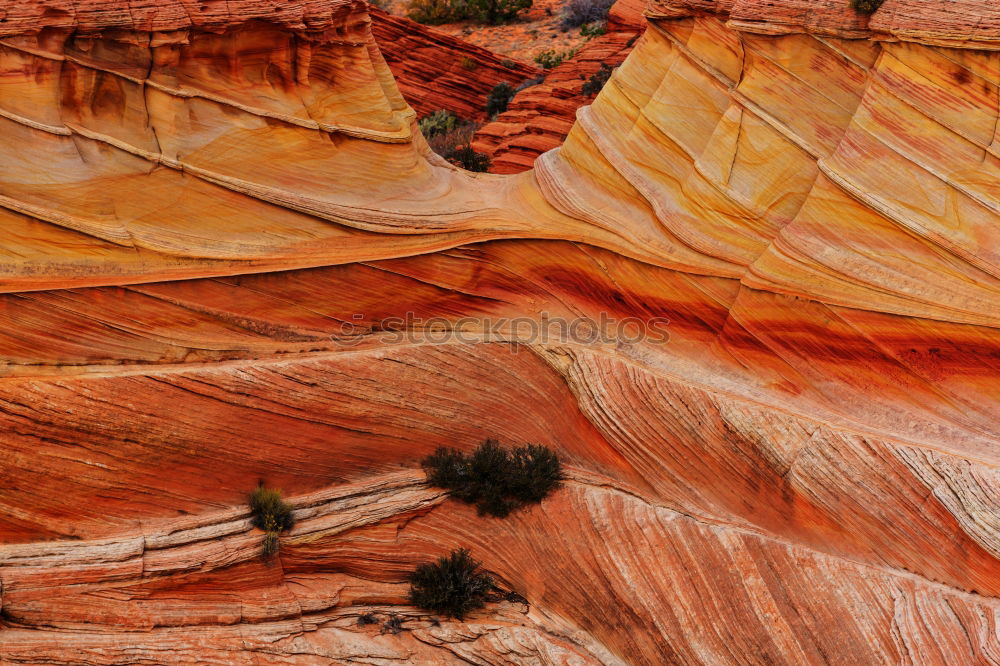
[[495, 12], [468, 63], [271, 514], [496, 479], [437, 123], [551, 58], [499, 98], [596, 82], [595, 29], [436, 12], [453, 586], [866, 6], [548, 58], [449, 136]]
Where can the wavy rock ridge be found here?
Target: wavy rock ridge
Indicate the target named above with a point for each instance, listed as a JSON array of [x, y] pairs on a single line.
[[197, 197]]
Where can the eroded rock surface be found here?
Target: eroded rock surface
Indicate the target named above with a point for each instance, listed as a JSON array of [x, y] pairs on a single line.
[[211, 210], [437, 71], [540, 116]]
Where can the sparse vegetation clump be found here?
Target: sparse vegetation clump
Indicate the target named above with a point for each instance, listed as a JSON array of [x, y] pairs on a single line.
[[499, 98], [866, 6], [551, 58], [449, 136], [580, 12], [366, 619], [393, 625], [495, 12], [596, 82], [453, 586], [497, 480], [468, 63], [595, 29], [436, 12], [468, 159], [437, 123], [271, 514]]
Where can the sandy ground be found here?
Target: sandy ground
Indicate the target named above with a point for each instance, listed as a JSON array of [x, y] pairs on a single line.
[[534, 31]]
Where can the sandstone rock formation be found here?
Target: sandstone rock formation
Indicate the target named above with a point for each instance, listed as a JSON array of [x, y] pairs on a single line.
[[211, 209], [539, 117], [437, 71]]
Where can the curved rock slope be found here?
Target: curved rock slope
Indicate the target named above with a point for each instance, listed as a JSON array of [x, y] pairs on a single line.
[[804, 470]]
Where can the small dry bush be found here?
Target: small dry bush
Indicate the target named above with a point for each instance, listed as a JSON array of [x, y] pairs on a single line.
[[452, 586], [551, 58], [436, 12], [866, 6], [596, 82], [496, 479], [271, 514], [499, 98], [449, 136]]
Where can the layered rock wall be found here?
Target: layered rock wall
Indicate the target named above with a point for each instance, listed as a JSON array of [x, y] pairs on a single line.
[[437, 71], [803, 471], [540, 116]]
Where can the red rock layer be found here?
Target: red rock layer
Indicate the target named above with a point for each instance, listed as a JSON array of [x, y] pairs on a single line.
[[30, 17], [956, 23], [437, 71], [243, 390], [197, 594], [539, 117]]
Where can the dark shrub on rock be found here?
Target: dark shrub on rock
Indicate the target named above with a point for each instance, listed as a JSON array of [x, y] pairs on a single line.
[[866, 6], [453, 586], [469, 159], [499, 98], [271, 514], [596, 82], [497, 480]]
